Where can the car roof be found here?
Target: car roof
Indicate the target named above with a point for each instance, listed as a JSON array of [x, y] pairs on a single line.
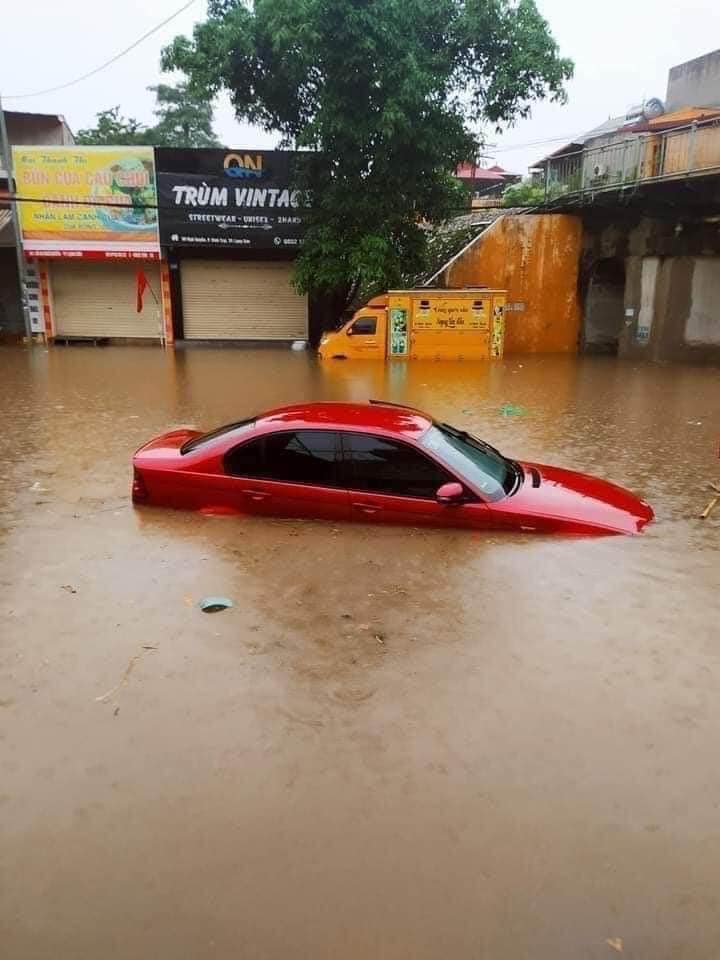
[[375, 415]]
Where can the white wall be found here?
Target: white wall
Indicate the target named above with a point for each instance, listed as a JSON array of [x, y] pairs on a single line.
[[703, 322], [648, 279]]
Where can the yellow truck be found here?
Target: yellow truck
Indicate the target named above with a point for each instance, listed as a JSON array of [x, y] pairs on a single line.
[[423, 324]]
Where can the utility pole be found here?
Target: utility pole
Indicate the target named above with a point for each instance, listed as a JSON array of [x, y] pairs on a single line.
[[6, 154]]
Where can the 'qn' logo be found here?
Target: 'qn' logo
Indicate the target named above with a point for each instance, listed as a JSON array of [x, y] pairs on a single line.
[[238, 165]]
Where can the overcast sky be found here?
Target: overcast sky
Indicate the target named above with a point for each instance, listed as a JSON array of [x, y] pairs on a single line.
[[622, 51]]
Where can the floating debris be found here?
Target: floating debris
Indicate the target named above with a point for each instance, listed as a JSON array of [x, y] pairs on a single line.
[[512, 410], [214, 604], [128, 670], [709, 508]]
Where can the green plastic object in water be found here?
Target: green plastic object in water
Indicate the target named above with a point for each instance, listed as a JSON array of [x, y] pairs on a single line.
[[214, 604]]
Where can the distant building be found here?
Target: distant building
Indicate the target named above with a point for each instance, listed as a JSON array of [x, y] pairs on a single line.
[[22, 128], [695, 83], [646, 188], [43, 129], [485, 182]]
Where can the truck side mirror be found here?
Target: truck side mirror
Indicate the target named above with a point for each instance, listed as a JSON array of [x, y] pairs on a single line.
[[450, 493]]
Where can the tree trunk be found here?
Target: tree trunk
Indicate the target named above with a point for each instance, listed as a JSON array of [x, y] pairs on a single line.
[[327, 308]]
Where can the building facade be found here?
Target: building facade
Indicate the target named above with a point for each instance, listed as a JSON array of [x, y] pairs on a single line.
[[158, 245], [646, 191], [695, 83], [26, 128], [231, 225], [89, 223]]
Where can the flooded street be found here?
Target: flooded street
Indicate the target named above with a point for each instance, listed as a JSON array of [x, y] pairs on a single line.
[[398, 743]]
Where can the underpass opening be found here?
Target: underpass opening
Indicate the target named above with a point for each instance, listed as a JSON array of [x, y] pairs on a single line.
[[604, 307]]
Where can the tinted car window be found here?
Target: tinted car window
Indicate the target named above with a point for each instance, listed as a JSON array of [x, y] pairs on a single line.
[[307, 456], [384, 466], [242, 426], [304, 456], [365, 326], [246, 460]]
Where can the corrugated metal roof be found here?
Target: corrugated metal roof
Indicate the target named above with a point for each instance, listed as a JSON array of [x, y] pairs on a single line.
[[25, 115], [679, 118], [470, 171], [611, 125]]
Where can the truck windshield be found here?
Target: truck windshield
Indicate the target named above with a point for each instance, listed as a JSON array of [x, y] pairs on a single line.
[[480, 464]]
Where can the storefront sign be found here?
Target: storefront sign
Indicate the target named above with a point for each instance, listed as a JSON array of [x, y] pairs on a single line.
[[228, 198], [94, 202]]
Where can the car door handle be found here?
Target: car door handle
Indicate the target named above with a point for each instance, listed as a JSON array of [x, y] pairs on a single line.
[[366, 507], [256, 495]]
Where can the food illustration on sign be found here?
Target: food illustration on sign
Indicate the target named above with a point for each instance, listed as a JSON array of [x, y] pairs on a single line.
[[130, 181], [398, 331], [498, 331]]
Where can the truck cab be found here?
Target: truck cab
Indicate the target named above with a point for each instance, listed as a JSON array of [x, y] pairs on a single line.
[[363, 337]]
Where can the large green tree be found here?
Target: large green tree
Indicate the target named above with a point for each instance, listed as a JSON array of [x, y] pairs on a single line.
[[112, 129], [184, 120], [386, 96]]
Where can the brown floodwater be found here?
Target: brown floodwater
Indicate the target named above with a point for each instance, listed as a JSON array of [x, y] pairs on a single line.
[[398, 743]]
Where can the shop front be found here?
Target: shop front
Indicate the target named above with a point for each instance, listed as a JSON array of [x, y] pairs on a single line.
[[98, 300], [231, 225], [90, 225]]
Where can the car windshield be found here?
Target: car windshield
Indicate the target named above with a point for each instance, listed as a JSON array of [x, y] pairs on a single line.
[[214, 434], [480, 464]]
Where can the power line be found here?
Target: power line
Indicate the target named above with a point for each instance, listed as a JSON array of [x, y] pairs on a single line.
[[534, 143], [91, 73]]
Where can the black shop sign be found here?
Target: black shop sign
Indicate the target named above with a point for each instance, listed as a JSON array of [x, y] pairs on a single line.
[[228, 198]]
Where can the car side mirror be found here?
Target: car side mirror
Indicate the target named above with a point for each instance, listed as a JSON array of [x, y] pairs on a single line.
[[450, 493]]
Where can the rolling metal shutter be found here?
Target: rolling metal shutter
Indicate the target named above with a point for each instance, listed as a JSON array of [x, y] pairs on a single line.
[[98, 299], [238, 300]]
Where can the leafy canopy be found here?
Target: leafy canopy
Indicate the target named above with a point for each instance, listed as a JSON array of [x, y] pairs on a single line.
[[184, 120], [112, 129], [387, 94]]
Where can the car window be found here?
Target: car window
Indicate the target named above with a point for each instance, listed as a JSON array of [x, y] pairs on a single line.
[[307, 456], [478, 462], [242, 426], [364, 326], [245, 460], [378, 465], [302, 456]]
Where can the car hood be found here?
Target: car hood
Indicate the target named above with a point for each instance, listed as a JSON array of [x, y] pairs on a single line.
[[585, 502]]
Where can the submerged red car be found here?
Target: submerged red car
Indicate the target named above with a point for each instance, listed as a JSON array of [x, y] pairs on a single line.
[[375, 462]]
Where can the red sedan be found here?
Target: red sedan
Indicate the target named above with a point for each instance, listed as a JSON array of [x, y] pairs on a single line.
[[373, 462]]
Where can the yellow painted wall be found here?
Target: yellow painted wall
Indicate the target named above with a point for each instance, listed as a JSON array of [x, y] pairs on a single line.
[[536, 258]]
